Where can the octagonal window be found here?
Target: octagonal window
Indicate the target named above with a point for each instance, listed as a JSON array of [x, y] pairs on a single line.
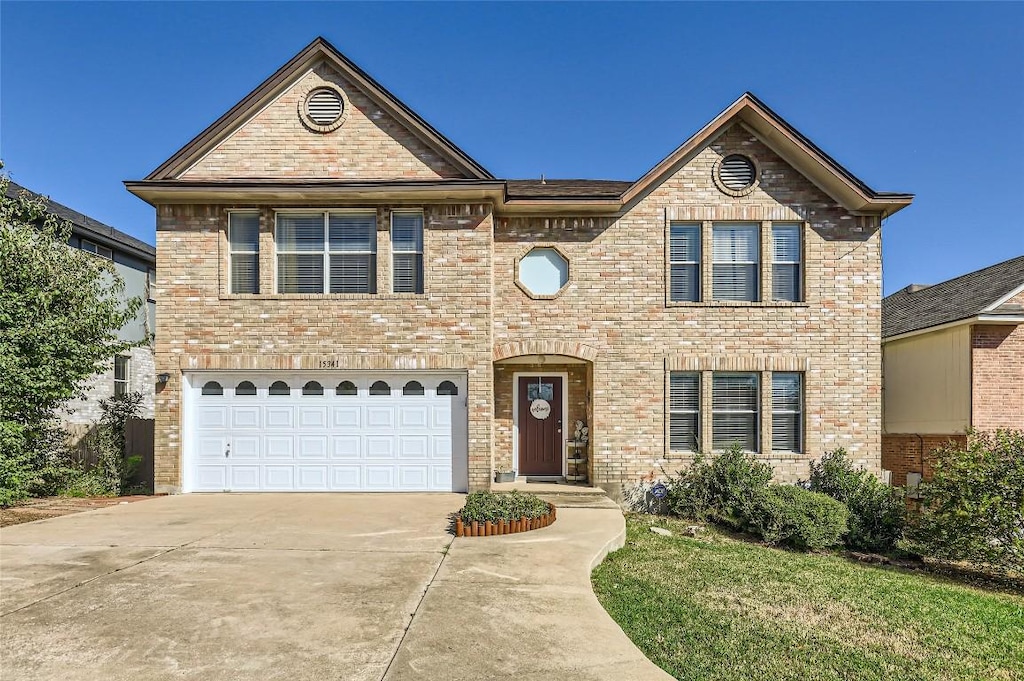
[[543, 271]]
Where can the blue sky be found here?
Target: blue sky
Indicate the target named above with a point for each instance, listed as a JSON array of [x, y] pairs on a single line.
[[920, 97]]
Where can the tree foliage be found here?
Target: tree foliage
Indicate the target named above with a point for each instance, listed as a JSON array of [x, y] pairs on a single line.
[[60, 310], [972, 509]]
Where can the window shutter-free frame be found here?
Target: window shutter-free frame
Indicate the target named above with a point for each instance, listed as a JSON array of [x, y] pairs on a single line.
[[786, 263], [735, 258], [243, 249], [734, 417], [684, 410], [407, 252], [684, 262], [787, 412]]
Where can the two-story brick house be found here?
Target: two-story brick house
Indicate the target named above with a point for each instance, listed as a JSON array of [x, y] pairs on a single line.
[[350, 302]]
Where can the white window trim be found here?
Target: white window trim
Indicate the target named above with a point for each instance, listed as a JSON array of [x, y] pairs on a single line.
[[756, 227], [757, 412], [96, 249], [232, 251], [801, 445], [327, 252], [127, 380], [423, 244], [695, 263], [799, 262]]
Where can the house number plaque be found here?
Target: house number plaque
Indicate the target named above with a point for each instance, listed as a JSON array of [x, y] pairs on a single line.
[[540, 409]]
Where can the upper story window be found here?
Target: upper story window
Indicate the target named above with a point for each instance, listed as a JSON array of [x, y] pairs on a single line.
[[96, 249], [543, 272], [684, 262], [735, 264], [244, 252], [786, 275], [327, 252], [407, 251], [121, 363]]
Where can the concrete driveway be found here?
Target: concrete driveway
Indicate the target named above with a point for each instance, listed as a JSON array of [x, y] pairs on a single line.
[[305, 587]]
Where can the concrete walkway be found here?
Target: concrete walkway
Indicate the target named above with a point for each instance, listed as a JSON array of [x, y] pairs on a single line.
[[305, 587]]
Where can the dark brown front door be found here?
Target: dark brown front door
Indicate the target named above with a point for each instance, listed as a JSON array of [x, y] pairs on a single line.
[[540, 425]]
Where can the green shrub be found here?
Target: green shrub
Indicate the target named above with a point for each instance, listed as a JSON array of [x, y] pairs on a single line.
[[791, 516], [972, 509], [484, 506], [724, 490], [878, 512]]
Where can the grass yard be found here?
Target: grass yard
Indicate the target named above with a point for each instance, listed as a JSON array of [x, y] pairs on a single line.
[[720, 608]]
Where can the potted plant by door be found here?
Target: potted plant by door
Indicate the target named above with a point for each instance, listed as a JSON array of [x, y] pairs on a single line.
[[502, 475]]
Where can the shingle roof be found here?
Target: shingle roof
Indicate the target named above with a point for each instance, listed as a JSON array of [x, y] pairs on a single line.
[[916, 307], [561, 189], [88, 226]]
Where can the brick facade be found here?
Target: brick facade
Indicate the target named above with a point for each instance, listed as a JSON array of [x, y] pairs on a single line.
[[613, 315], [997, 377], [902, 454]]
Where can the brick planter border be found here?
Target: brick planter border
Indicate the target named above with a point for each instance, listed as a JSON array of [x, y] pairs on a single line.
[[489, 529]]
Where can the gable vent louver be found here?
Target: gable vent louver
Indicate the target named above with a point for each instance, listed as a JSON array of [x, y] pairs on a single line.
[[737, 172], [324, 107]]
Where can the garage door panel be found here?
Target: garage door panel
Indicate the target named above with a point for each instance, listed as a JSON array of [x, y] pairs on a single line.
[[380, 417], [312, 417], [212, 417], [279, 477], [245, 478], [324, 442], [280, 417], [441, 478], [279, 446], [245, 417], [413, 477], [346, 478], [379, 447], [312, 447], [312, 478], [412, 446], [347, 417], [379, 477], [247, 447], [346, 447]]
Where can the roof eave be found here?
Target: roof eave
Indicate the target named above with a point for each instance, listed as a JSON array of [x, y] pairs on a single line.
[[994, 319]]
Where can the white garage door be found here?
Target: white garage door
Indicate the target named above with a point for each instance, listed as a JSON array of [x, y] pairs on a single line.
[[325, 432]]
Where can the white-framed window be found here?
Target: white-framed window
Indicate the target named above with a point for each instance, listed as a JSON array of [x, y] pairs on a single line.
[[735, 401], [787, 274], [96, 249], [121, 368], [735, 261], [683, 411], [787, 411], [407, 251], [244, 252], [327, 252], [684, 262]]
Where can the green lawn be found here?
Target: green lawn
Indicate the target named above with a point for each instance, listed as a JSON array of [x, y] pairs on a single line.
[[719, 608]]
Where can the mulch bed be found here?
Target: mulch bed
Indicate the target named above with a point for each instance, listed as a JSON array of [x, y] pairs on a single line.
[[53, 507]]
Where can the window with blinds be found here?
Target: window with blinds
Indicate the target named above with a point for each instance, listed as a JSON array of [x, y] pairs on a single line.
[[407, 252], [735, 258], [684, 262], [328, 252], [787, 412], [734, 410], [786, 252], [684, 411], [244, 249]]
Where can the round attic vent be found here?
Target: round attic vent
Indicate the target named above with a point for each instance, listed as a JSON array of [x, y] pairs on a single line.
[[323, 109], [737, 173], [324, 106]]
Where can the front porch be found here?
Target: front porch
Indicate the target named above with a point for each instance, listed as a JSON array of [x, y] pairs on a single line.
[[542, 421]]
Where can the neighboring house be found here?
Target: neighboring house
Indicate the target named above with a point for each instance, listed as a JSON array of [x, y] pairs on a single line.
[[135, 262], [953, 357], [348, 301]]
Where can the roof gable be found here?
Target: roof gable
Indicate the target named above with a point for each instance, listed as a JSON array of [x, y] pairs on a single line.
[[791, 146], [982, 292], [430, 153]]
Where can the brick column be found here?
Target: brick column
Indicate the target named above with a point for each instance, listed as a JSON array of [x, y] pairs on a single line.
[[766, 260], [706, 258], [765, 378]]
